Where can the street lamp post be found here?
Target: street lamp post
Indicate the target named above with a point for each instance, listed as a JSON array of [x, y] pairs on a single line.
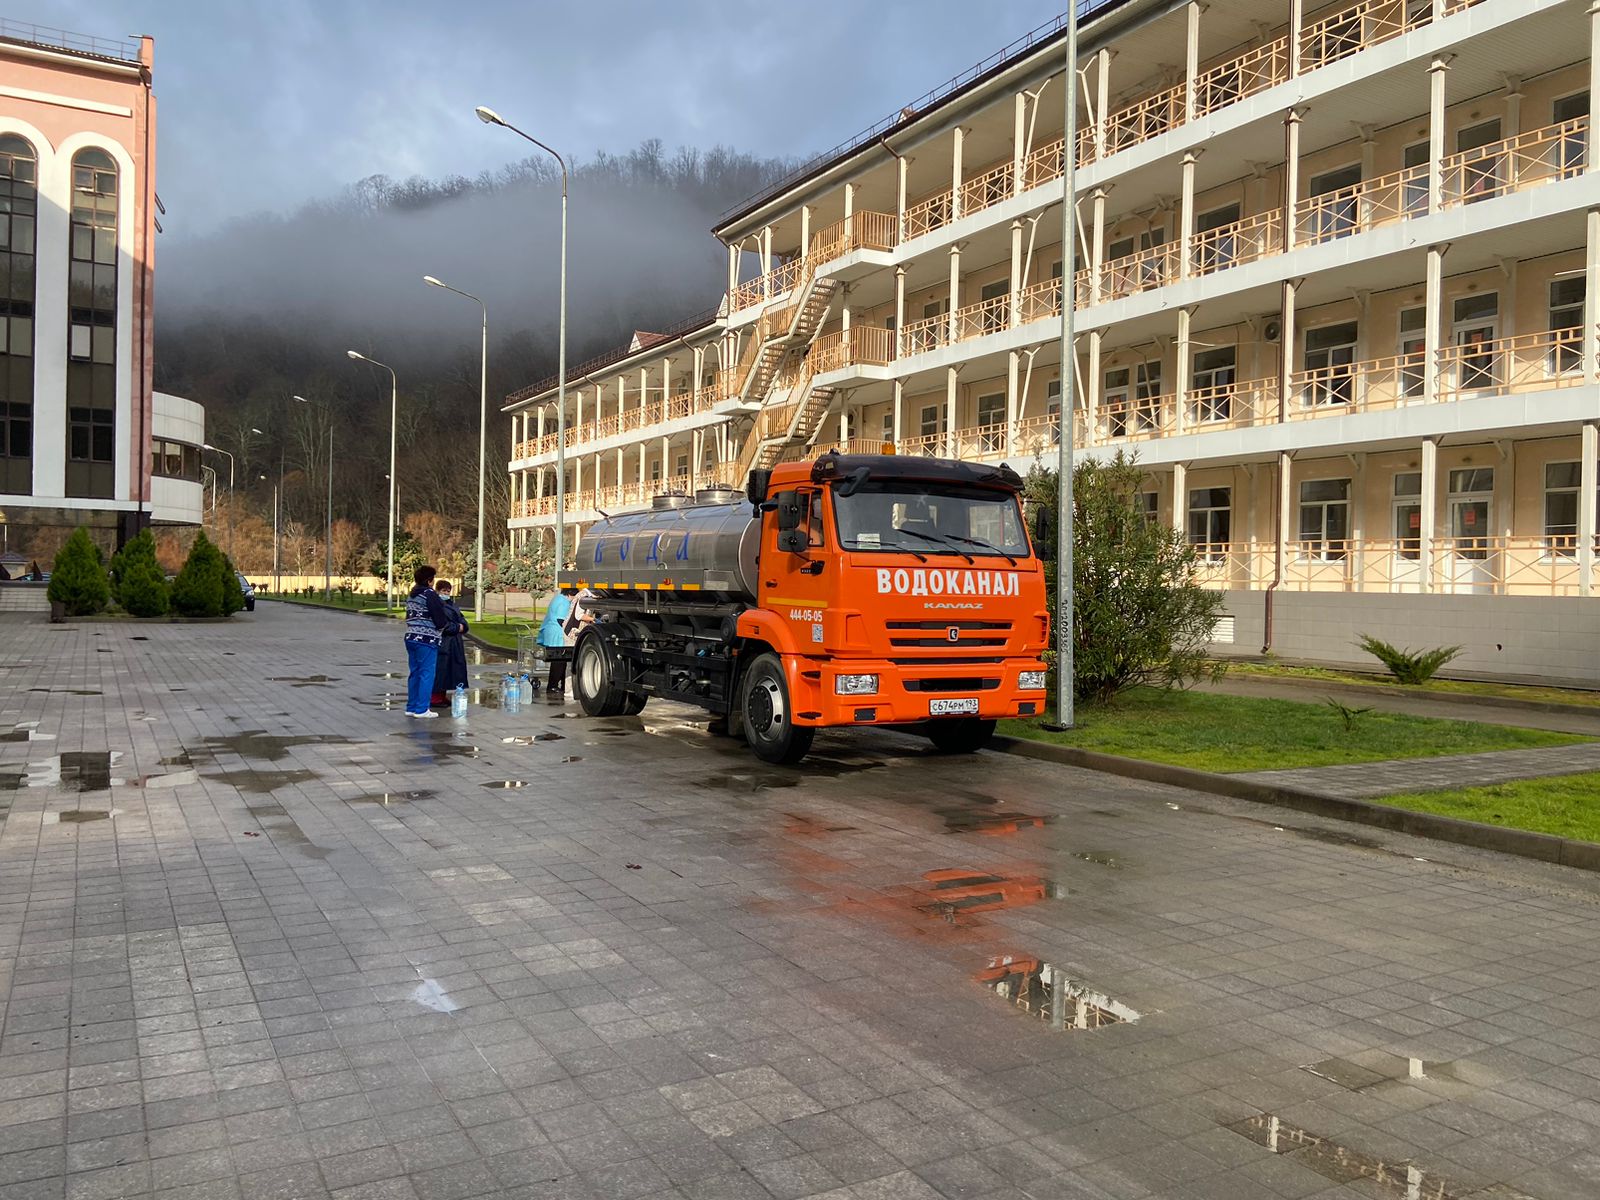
[[394, 430], [489, 117], [483, 424], [327, 538], [1066, 632], [277, 581], [220, 450]]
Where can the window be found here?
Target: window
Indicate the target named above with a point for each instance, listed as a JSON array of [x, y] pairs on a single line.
[[1414, 191], [1211, 521], [655, 472], [1221, 248], [1563, 483], [92, 325], [1117, 401], [174, 460], [1413, 350], [1147, 397], [19, 203], [1330, 353], [1325, 518], [1212, 398], [1471, 493], [1480, 172], [1566, 321], [1408, 514], [887, 429], [932, 420], [1146, 505], [1052, 408], [935, 308], [993, 317], [1575, 140], [681, 464], [1336, 196], [992, 423], [1476, 320]]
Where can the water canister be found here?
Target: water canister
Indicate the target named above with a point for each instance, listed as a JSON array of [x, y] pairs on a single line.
[[458, 701], [525, 690], [513, 695]]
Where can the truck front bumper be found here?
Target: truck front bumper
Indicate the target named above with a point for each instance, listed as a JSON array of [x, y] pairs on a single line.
[[907, 694]]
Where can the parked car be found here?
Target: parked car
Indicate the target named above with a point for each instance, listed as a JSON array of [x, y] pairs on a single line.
[[249, 593]]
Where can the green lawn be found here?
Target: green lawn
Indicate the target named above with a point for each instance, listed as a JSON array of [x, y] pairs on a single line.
[[1567, 805], [1213, 732], [1457, 687]]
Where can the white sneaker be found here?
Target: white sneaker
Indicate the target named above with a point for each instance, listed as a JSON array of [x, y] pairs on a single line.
[[425, 716]]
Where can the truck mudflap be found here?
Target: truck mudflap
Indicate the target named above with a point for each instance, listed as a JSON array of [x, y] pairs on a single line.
[[879, 692]]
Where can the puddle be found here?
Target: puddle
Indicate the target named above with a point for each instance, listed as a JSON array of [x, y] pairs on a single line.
[[384, 674], [77, 816], [1099, 857], [960, 891], [26, 733], [505, 784], [1046, 992], [66, 691], [549, 737], [992, 824], [1402, 1180], [438, 745], [267, 810], [180, 759], [1370, 1069], [258, 743], [300, 681], [429, 994], [746, 781], [572, 758], [262, 782], [388, 702], [386, 799], [138, 637], [800, 825]]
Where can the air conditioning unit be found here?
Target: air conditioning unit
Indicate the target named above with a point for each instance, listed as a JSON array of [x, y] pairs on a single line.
[[1272, 331]]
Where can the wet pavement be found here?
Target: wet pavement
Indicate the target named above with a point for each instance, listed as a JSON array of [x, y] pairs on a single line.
[[263, 937]]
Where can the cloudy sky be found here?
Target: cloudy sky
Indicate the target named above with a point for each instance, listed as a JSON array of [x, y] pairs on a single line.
[[265, 105]]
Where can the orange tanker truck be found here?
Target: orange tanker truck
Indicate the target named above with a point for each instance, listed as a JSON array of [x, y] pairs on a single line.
[[852, 590]]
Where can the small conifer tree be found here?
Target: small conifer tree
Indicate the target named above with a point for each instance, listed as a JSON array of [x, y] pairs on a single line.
[[138, 581], [78, 578], [198, 590]]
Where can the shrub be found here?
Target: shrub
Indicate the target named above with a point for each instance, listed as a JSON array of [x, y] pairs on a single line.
[[1139, 613], [198, 590], [137, 580], [1407, 666], [232, 590], [78, 578]]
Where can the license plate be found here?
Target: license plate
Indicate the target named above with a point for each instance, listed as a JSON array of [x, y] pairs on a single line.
[[950, 708]]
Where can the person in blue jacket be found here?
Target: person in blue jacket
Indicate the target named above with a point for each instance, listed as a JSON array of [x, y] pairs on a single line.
[[426, 620], [559, 620]]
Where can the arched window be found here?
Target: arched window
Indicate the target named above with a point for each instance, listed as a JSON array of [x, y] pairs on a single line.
[[92, 327], [19, 205]]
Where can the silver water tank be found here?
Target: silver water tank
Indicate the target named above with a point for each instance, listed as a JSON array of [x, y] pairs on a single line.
[[695, 550]]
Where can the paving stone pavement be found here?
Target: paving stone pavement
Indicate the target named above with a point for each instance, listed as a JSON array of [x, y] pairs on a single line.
[[290, 944], [1355, 781]]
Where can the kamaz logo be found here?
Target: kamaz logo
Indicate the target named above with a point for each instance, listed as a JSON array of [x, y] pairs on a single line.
[[953, 634]]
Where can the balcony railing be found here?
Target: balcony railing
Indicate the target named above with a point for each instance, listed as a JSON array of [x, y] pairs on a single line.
[[1505, 565], [1515, 164], [1251, 72], [1369, 23], [1362, 206], [1245, 240], [1527, 362], [863, 344], [1231, 405], [929, 333]]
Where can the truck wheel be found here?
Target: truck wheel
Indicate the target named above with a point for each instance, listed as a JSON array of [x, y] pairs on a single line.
[[962, 735], [767, 714], [633, 704], [594, 678]]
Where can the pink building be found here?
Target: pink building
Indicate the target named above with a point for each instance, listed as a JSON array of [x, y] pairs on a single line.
[[82, 436]]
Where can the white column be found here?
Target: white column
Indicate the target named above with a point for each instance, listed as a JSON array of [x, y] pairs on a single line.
[[698, 366], [642, 457], [1428, 503], [1186, 207], [1592, 156], [1102, 79], [766, 260], [1297, 24], [899, 409], [1097, 249], [1436, 73], [849, 204], [955, 289], [666, 460], [541, 423], [1432, 319], [1286, 314], [1191, 65], [1091, 413], [1513, 124], [950, 412], [1180, 391], [1180, 496], [899, 311], [904, 166], [957, 138], [733, 271], [805, 229], [1013, 403], [1016, 274], [696, 451], [1291, 174], [1285, 505], [1591, 297], [1588, 480]]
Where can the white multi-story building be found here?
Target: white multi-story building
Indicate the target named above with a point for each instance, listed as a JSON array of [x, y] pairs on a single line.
[[1335, 287]]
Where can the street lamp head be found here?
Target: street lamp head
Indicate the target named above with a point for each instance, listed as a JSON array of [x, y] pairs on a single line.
[[488, 116], [253, 429], [302, 399], [207, 446], [429, 279], [356, 355]]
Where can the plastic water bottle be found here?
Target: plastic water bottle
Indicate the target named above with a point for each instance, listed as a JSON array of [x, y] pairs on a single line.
[[525, 690], [513, 696], [458, 701], [505, 692]]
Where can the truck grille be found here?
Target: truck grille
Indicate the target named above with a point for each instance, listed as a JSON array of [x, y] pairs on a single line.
[[961, 625], [965, 684], [969, 634]]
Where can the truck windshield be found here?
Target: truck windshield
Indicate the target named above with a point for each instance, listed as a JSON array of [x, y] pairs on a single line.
[[892, 517]]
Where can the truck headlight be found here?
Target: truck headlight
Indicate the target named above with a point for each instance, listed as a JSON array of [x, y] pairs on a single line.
[[1031, 681], [855, 685]]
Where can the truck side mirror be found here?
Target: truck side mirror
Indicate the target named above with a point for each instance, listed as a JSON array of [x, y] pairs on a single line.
[[787, 506], [1044, 530], [793, 541], [755, 487]]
